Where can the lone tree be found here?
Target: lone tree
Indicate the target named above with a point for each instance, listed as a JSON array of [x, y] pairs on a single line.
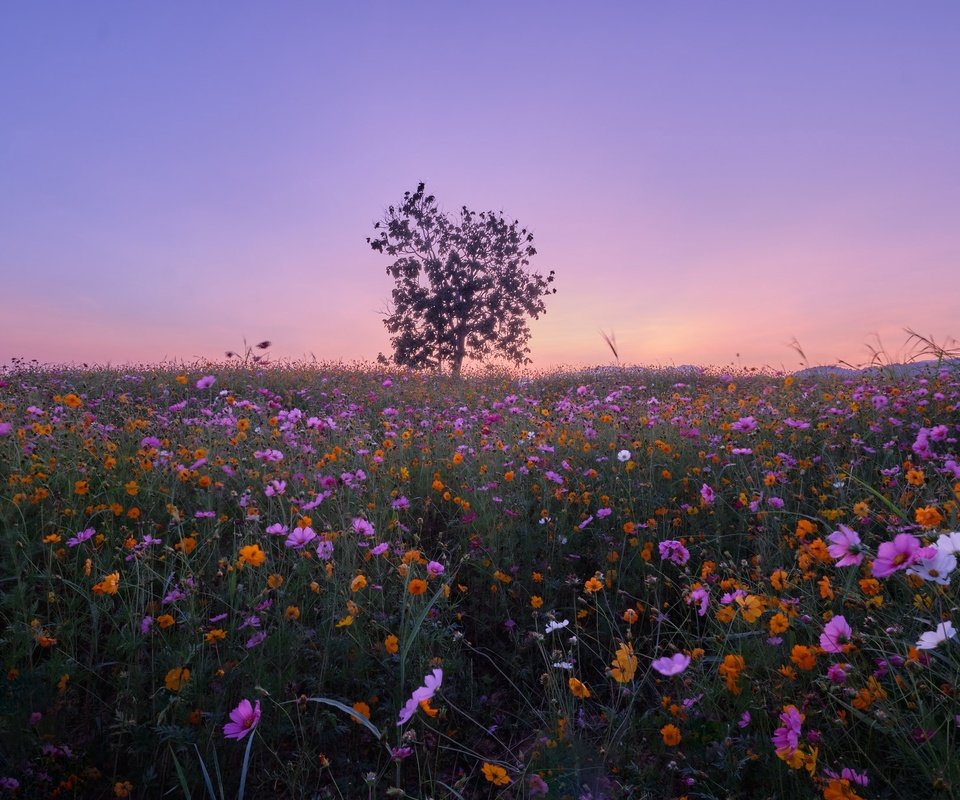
[[462, 287]]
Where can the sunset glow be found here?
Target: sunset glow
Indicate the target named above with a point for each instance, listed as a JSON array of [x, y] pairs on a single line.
[[710, 183]]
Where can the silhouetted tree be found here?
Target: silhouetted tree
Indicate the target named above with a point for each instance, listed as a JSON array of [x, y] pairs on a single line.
[[462, 285]]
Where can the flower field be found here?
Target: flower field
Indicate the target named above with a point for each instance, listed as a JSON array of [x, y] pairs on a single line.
[[310, 581]]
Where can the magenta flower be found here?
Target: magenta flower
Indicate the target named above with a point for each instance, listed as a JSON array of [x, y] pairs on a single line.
[[671, 665], [701, 597], [707, 494], [901, 553], [845, 546], [80, 538], [672, 550], [243, 719], [431, 684], [786, 738], [300, 537], [5, 428], [206, 382], [836, 634]]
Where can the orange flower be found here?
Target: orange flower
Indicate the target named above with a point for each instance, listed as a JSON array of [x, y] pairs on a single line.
[[536, 601], [72, 401], [624, 666], [839, 789], [417, 586], [362, 709], [630, 616], [495, 774], [579, 690], [730, 669], [166, 621], [928, 516], [252, 554], [292, 613], [392, 644], [81, 487], [214, 636], [358, 583], [803, 657], [593, 585], [109, 585], [915, 477], [671, 735], [177, 678], [778, 623], [122, 789], [275, 581], [751, 607]]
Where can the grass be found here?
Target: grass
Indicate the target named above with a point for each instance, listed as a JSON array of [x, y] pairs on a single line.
[[320, 539]]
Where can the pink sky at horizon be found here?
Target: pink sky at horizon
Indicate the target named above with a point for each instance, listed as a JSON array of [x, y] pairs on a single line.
[[708, 184]]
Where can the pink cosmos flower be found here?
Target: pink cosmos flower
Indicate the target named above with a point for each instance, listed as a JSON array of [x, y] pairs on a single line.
[[300, 537], [700, 597], [206, 382], [836, 634], [363, 527], [5, 428], [786, 738], [845, 546], [671, 665], [431, 684], [707, 494], [81, 537], [944, 631], [243, 719], [672, 550], [901, 553]]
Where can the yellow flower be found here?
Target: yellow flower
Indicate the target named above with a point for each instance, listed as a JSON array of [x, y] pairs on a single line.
[[578, 689], [345, 622], [109, 585], [495, 774], [624, 665], [252, 555], [177, 678], [671, 735]]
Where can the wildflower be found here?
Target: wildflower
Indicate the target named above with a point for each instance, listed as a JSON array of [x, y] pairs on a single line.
[[630, 616], [701, 597], [836, 634], [81, 537], [536, 601], [901, 553], [109, 585], [363, 527], [495, 774], [751, 607], [537, 786], [674, 551], [362, 709], [176, 679], [431, 684], [243, 719], [707, 494], [122, 789], [392, 644], [592, 585], [417, 586], [944, 631], [671, 735], [778, 624], [553, 625], [358, 583], [839, 789], [578, 689], [671, 665], [786, 738], [300, 537], [928, 517], [845, 546], [949, 542], [623, 455], [804, 657], [252, 554], [837, 673], [215, 635], [936, 568], [730, 669], [624, 665], [206, 382], [292, 613]]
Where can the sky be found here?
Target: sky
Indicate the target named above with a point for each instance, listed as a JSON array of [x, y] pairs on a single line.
[[710, 181]]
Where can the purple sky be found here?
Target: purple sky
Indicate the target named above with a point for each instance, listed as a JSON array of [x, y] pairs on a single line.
[[707, 179]]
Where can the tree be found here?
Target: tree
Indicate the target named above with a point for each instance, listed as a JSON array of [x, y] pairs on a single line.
[[462, 286]]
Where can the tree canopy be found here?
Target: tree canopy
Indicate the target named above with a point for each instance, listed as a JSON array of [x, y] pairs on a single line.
[[463, 288]]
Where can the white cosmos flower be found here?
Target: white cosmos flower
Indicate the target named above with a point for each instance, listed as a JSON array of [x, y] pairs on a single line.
[[553, 625], [944, 631], [949, 542], [563, 665], [623, 455], [936, 569]]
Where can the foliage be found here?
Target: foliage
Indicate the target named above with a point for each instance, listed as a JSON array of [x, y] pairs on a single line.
[[462, 287], [615, 584]]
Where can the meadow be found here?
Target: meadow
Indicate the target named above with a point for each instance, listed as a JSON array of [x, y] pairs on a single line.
[[311, 581]]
